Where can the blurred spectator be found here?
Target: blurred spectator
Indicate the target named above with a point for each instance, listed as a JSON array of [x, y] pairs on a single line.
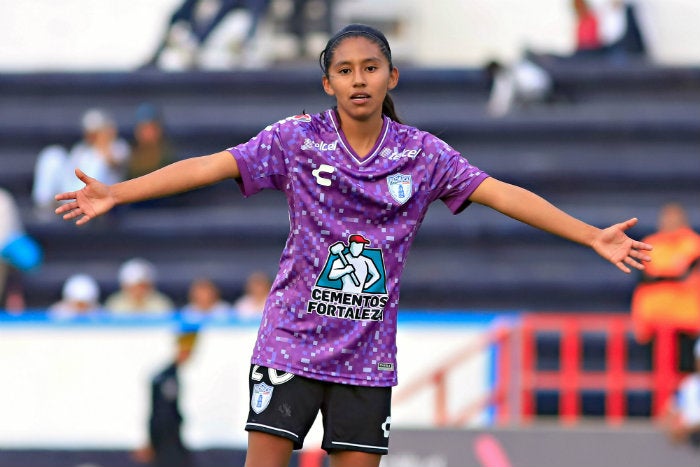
[[191, 25], [151, 149], [520, 84], [205, 300], [252, 303], [681, 420], [587, 28], [668, 293], [633, 41], [607, 29], [165, 447], [138, 294], [19, 252], [49, 168], [80, 296], [299, 21], [100, 154]]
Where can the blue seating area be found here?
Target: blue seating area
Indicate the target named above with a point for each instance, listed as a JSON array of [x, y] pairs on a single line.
[[627, 141]]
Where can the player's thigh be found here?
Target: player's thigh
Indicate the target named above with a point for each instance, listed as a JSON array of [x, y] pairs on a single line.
[[356, 418], [266, 450], [354, 459], [282, 404]]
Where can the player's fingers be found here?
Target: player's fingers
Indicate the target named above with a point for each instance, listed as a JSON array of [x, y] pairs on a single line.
[[634, 263], [640, 255], [66, 207], [71, 214], [642, 246], [629, 223], [83, 220], [82, 176], [65, 196]]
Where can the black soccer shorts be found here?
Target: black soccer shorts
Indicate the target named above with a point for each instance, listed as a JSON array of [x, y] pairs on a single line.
[[355, 418]]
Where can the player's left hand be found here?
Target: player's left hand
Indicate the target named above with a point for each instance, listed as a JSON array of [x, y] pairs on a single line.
[[614, 245]]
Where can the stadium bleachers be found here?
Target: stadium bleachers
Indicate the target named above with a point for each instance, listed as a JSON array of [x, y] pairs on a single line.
[[626, 141]]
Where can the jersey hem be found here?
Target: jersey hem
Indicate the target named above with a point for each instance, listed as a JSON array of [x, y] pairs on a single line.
[[325, 377]]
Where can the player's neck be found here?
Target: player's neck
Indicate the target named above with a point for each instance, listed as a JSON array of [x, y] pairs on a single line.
[[362, 135]]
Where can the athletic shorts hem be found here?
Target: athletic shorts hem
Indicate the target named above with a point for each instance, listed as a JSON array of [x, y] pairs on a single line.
[[341, 446], [277, 432]]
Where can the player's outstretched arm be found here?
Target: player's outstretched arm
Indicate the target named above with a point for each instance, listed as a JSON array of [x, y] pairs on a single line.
[[96, 198], [611, 243]]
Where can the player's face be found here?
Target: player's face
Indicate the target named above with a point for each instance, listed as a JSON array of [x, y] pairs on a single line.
[[359, 76]]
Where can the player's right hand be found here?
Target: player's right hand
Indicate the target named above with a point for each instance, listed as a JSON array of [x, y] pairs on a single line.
[[83, 205]]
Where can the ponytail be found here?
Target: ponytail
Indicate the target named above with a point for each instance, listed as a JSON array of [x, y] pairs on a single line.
[[389, 110]]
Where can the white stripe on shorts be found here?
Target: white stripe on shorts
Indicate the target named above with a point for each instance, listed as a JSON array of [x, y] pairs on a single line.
[[273, 428], [360, 445]]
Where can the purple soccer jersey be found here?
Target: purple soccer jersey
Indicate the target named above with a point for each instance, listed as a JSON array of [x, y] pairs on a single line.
[[332, 311]]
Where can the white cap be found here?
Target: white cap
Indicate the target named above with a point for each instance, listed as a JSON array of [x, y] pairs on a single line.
[[136, 271], [96, 119], [81, 288]]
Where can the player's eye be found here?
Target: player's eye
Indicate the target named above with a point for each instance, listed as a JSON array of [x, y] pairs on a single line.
[[372, 68], [344, 71]]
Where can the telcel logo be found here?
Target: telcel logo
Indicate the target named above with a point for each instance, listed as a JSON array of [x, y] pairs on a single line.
[[396, 155], [308, 144]]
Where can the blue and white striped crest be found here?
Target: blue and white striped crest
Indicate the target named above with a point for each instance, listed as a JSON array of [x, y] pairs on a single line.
[[262, 393], [400, 187]]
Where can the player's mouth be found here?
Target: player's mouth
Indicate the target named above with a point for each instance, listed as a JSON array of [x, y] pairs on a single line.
[[359, 97]]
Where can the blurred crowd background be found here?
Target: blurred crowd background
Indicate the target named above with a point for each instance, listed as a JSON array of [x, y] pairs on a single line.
[[101, 35], [591, 101]]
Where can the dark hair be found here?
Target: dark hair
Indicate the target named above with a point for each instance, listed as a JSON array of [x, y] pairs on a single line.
[[376, 36]]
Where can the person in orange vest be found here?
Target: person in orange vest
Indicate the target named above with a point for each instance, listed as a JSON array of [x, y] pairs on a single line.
[[668, 294]]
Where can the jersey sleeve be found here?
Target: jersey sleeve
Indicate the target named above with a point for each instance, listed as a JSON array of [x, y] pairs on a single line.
[[454, 178], [261, 161]]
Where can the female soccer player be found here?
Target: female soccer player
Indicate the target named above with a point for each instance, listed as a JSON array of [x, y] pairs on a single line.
[[358, 184]]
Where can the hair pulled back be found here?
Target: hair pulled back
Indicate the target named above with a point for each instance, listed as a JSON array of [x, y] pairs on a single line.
[[374, 35]]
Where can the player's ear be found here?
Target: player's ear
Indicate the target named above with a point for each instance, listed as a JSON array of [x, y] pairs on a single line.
[[327, 86], [393, 78]]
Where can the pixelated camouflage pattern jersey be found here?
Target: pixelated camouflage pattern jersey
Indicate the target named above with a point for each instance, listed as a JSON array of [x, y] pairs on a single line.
[[332, 311]]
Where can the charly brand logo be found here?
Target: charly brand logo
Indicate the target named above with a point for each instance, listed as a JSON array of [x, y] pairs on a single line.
[[386, 426], [323, 169], [308, 144], [385, 366], [400, 187]]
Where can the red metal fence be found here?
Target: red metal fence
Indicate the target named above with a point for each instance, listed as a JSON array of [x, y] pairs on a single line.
[[614, 380]]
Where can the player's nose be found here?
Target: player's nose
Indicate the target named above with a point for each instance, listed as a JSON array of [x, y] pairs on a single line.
[[359, 78]]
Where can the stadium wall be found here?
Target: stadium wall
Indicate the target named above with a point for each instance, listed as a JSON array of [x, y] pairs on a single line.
[[84, 384]]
